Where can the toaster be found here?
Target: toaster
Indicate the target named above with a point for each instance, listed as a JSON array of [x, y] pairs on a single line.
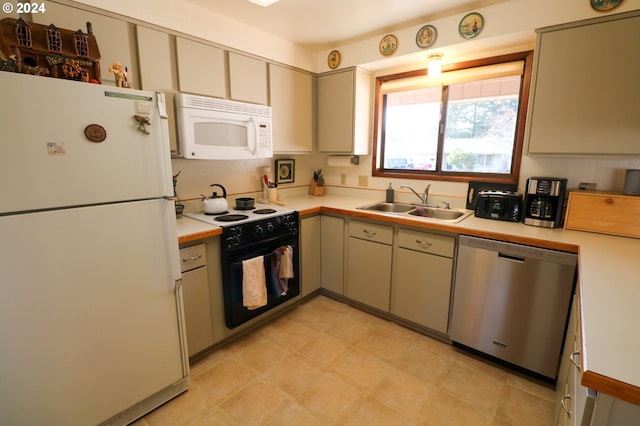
[[499, 205]]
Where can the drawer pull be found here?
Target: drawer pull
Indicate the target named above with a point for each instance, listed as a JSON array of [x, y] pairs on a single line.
[[573, 359], [608, 200], [369, 233], [424, 244], [196, 257], [566, 410]]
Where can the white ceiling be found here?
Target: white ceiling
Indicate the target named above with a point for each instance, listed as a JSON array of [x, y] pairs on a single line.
[[327, 23]]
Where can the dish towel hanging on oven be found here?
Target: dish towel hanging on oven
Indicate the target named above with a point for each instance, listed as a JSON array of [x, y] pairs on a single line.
[[254, 287], [281, 269]]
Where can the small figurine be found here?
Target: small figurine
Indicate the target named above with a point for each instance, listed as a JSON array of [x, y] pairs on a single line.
[[142, 123], [121, 75]]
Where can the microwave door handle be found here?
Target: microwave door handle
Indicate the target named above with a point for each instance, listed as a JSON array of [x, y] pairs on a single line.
[[257, 135]]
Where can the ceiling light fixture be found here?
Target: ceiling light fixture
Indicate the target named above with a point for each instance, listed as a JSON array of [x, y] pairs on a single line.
[[435, 65], [263, 3]]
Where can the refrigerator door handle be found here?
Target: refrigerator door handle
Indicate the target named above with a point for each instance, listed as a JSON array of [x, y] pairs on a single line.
[[162, 105]]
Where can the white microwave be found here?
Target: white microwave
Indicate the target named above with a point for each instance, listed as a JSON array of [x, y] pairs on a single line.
[[218, 129]]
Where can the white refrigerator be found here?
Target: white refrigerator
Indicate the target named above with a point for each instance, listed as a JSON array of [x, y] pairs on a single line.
[[91, 321]]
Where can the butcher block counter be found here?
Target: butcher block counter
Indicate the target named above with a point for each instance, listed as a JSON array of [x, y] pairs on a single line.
[[608, 279]]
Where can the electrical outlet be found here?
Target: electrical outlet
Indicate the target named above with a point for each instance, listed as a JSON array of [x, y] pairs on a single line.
[[363, 180], [343, 179], [587, 186]]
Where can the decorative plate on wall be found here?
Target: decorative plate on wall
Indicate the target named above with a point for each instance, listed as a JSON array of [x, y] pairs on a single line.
[[333, 60], [471, 25], [426, 36], [604, 5], [388, 44]]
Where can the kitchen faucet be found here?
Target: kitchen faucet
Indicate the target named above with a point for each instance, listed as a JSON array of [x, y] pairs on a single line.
[[425, 195]]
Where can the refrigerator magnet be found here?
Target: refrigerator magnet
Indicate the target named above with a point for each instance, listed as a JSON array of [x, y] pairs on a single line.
[[95, 133], [56, 148]]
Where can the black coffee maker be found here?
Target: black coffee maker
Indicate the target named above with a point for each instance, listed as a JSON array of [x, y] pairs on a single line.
[[545, 201]]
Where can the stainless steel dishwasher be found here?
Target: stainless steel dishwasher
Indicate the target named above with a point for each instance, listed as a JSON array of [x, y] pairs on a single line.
[[512, 302]]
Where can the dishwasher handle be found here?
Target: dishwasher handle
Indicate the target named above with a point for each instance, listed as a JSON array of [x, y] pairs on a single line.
[[512, 258]]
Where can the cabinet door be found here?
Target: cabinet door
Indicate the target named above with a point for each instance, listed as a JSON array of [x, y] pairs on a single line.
[[565, 362], [335, 112], [197, 311], [585, 93], [369, 273], [201, 68], [111, 34], [422, 288], [292, 108], [155, 53], [310, 254], [332, 253], [247, 79]]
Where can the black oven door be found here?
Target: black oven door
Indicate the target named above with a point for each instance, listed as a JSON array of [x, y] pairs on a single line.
[[234, 312]]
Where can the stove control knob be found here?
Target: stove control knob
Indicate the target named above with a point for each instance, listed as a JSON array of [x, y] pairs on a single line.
[[270, 227], [258, 230]]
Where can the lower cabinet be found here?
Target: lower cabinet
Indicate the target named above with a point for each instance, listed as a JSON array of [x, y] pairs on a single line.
[[196, 298], [310, 236], [369, 264], [422, 278], [332, 253], [577, 405]]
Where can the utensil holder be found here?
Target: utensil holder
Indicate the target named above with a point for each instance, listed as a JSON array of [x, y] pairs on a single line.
[[179, 210]]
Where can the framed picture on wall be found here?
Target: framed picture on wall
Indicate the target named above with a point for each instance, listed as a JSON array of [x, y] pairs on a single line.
[[285, 171]]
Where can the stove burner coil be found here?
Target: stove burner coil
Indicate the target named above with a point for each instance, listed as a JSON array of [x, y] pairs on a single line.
[[231, 217], [264, 211]]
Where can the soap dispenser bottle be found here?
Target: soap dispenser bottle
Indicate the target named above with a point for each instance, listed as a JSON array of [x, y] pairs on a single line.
[[390, 193]]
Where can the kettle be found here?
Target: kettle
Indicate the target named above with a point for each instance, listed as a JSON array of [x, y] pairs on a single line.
[[215, 204]]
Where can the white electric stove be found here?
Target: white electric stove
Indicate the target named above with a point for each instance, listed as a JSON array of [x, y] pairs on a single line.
[[235, 216]]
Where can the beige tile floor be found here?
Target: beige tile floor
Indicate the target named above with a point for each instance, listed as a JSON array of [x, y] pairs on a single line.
[[326, 363]]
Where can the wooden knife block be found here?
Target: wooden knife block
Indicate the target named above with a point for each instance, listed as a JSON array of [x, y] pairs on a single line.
[[314, 189]]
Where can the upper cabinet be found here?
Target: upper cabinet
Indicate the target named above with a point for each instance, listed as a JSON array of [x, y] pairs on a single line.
[[201, 68], [247, 79], [344, 105], [585, 90], [111, 34], [292, 108], [155, 55]]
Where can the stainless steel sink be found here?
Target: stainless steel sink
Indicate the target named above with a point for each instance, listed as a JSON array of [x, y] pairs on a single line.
[[419, 211], [438, 213], [389, 207]]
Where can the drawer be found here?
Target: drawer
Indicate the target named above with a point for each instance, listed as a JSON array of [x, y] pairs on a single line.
[[371, 231], [192, 257], [427, 243], [602, 212]]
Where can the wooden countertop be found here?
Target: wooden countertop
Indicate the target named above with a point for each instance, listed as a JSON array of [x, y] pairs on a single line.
[[609, 284]]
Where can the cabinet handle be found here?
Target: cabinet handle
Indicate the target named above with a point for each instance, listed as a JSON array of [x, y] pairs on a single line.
[[573, 360], [196, 257], [424, 244], [608, 200], [566, 410], [369, 233]]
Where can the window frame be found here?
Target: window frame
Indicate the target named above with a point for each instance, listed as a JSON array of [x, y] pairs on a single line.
[[376, 163]]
